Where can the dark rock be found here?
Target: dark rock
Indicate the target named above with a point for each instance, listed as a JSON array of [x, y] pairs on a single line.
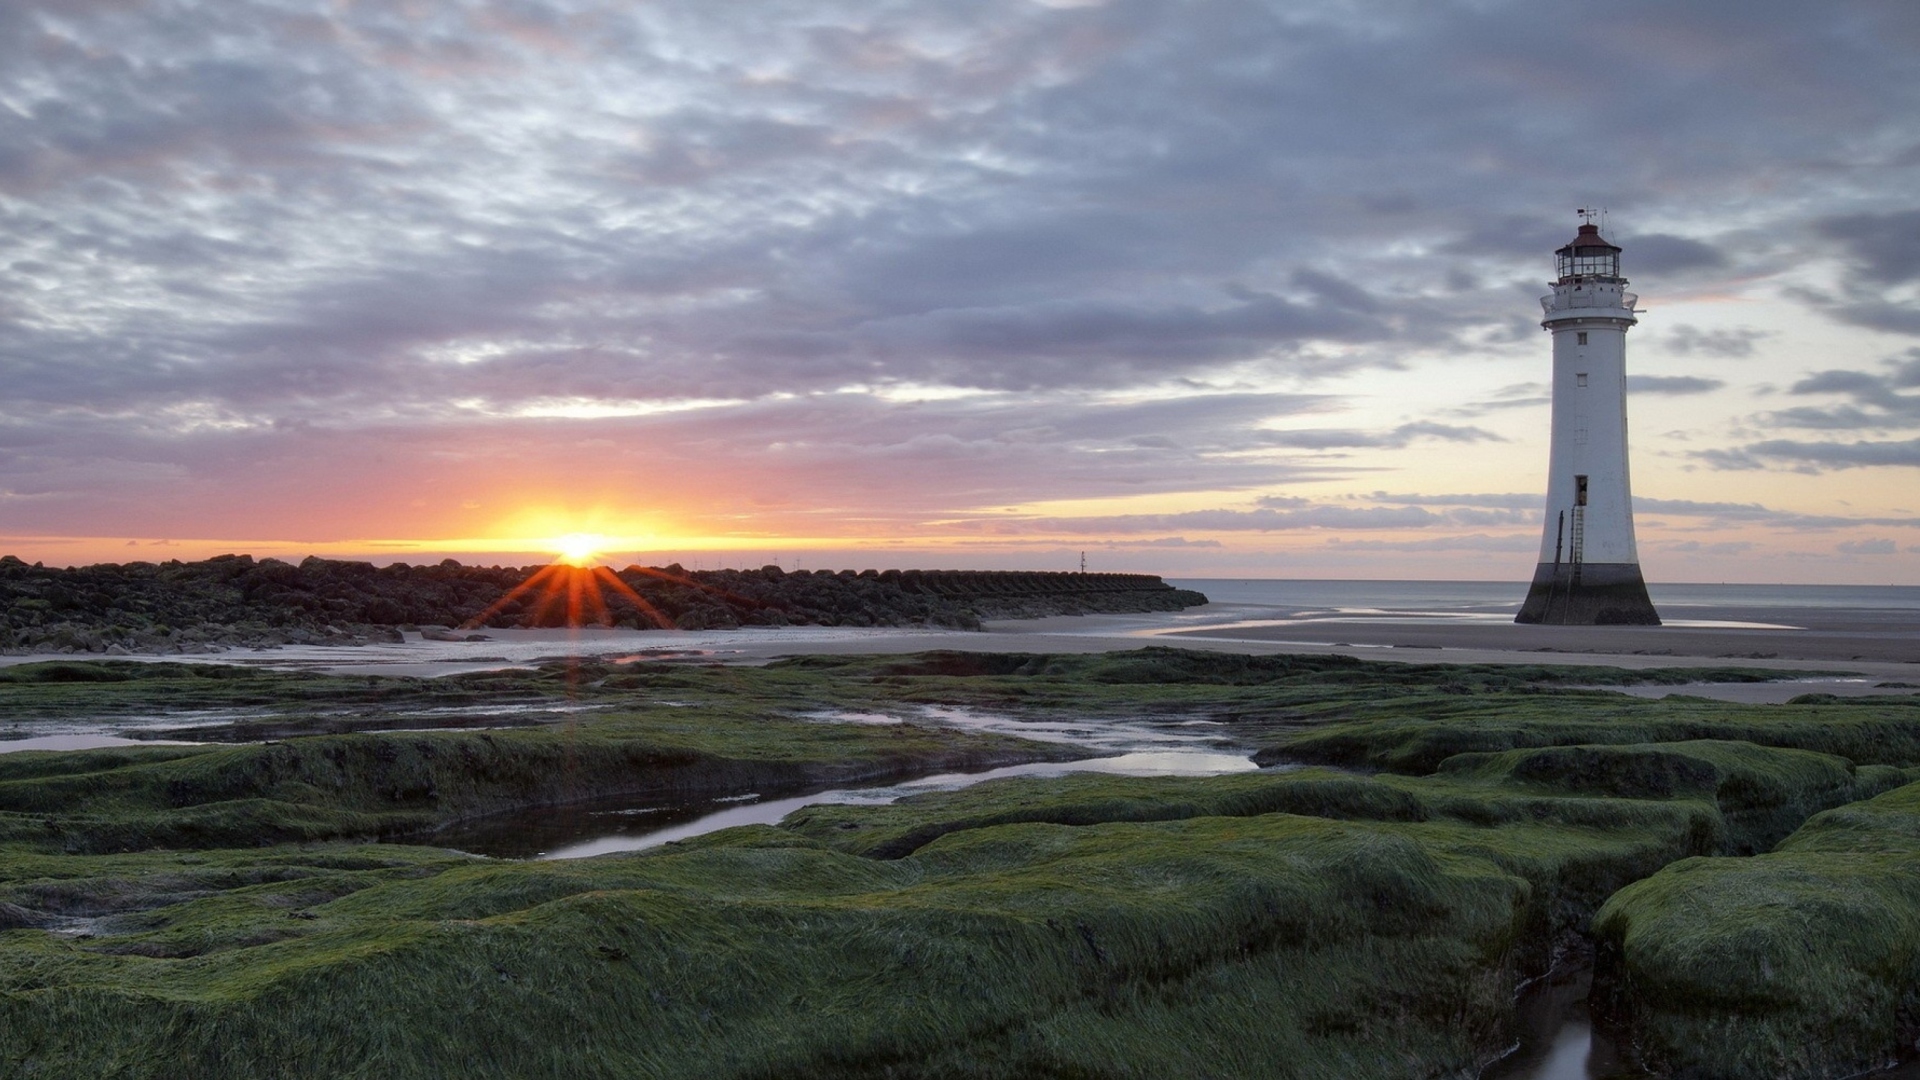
[[233, 600]]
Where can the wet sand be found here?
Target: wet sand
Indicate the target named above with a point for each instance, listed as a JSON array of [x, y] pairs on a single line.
[[1824, 643], [1874, 646], [1245, 628]]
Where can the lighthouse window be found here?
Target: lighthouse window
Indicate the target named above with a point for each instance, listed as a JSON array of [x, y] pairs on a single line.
[[1581, 337], [1579, 491], [1580, 379]]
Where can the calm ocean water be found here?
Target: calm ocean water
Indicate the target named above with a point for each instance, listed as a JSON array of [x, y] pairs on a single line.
[[1861, 603]]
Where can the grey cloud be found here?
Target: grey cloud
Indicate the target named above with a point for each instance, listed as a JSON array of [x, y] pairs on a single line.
[[1644, 504], [1696, 547], [1755, 513], [1516, 396], [1203, 420], [1121, 543], [1882, 254], [1688, 340], [983, 258], [1838, 417], [1048, 344], [1866, 547], [1671, 384], [1336, 293], [150, 121], [1446, 432], [1884, 248], [1844, 382], [1842, 455], [1876, 313], [1470, 516], [702, 147], [1332, 438], [1734, 458], [1877, 400], [1832, 455], [1508, 236], [1511, 500], [1663, 253], [1906, 372], [1507, 403], [1312, 517], [1513, 542], [1163, 542], [1286, 514]]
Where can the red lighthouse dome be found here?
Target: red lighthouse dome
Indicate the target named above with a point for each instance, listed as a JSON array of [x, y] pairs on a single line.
[[1589, 255]]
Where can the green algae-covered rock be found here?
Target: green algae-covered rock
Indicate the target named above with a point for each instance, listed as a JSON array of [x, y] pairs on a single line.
[[1802, 963]]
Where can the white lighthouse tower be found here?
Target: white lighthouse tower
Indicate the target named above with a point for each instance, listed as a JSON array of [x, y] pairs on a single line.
[[1589, 572]]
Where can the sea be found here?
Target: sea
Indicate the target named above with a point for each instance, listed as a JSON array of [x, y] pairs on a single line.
[[1852, 605]]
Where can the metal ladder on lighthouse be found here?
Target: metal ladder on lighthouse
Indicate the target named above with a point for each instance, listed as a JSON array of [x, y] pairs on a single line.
[[1576, 548], [1576, 552]]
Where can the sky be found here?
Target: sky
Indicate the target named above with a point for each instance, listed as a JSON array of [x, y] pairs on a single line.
[[1205, 288]]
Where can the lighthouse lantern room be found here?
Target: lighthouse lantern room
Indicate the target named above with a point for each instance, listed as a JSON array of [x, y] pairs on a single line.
[[1589, 569]]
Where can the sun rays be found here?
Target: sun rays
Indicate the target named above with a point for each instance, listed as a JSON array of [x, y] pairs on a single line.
[[566, 593], [576, 594]]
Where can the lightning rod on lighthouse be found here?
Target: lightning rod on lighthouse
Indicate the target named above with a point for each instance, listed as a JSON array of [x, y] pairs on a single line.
[[1589, 571]]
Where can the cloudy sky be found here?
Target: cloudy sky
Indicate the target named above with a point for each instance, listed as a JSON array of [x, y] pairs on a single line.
[[1217, 287]]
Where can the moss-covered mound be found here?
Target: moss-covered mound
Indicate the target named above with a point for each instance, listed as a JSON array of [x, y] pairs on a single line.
[[1328, 675], [1174, 927], [1345, 926], [1803, 963], [1762, 793], [1879, 730]]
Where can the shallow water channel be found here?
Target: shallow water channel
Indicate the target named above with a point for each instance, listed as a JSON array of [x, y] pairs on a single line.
[[1130, 748], [1558, 1040]]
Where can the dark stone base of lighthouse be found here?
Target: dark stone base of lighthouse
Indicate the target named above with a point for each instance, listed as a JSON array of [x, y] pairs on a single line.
[[1590, 594]]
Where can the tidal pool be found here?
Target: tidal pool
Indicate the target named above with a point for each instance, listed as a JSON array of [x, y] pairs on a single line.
[[81, 742], [1129, 747]]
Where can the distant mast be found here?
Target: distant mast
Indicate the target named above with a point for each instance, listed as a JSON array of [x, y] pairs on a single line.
[[1589, 572]]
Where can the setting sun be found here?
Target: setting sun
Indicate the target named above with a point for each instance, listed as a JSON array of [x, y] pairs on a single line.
[[580, 549]]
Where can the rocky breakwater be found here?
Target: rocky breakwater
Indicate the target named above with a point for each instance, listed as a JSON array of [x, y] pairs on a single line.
[[185, 607]]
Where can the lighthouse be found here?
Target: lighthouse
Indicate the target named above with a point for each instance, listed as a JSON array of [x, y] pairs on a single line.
[[1589, 572]]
